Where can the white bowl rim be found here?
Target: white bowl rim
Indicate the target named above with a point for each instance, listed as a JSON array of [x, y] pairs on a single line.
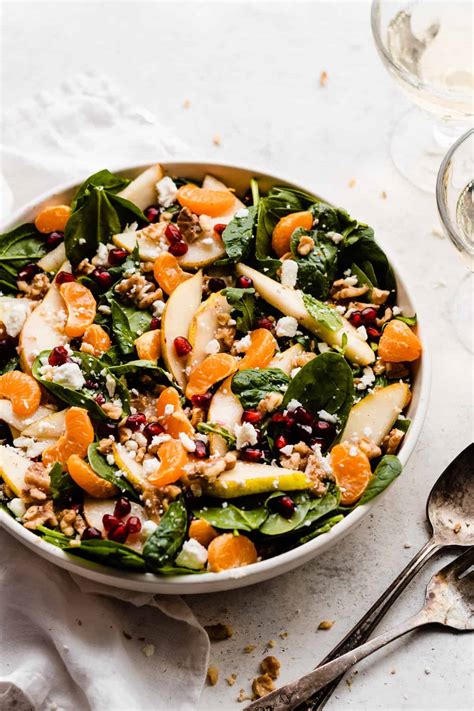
[[264, 569]]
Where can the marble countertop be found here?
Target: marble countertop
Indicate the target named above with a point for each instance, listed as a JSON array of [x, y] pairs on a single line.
[[248, 74]]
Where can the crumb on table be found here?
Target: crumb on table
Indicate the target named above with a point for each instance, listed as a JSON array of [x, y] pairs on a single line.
[[219, 631], [212, 675]]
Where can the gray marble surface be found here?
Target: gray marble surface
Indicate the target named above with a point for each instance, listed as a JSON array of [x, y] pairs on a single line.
[[251, 74]]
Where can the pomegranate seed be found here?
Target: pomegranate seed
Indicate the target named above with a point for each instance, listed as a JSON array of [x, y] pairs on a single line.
[[117, 256], [280, 418], [28, 272], [118, 534], [201, 449], [284, 505], [8, 345], [122, 507], [303, 417], [281, 442], [177, 249], [53, 239], [219, 228], [134, 422], [154, 429], [103, 278], [202, 401], [251, 454], [182, 346], [91, 384], [134, 525], [302, 433], [216, 284], [265, 322], [63, 277], [373, 333], [173, 233], [251, 416], [244, 282], [100, 399], [154, 323], [58, 356], [107, 429], [368, 316], [90, 533], [323, 429], [110, 522], [356, 318], [152, 213]]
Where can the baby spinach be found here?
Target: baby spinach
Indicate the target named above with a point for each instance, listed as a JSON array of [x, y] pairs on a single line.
[[278, 525], [361, 249], [316, 270], [92, 369], [18, 248], [12, 364], [127, 324], [362, 278], [326, 315], [324, 528], [325, 383], [320, 507], [409, 320], [253, 385], [142, 367], [102, 179], [62, 487], [238, 236], [103, 469], [233, 518], [166, 540], [386, 471], [214, 428], [242, 300]]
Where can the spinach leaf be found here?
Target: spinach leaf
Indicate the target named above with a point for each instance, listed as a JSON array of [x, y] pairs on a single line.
[[326, 315], [166, 540], [233, 518], [242, 300], [332, 219], [387, 470], [18, 248], [142, 367], [361, 249], [362, 278], [92, 369], [214, 428], [11, 364], [409, 320], [103, 469], [251, 386], [121, 329], [139, 320], [62, 487], [238, 236], [278, 525], [324, 528], [104, 179], [320, 507], [316, 270], [402, 423], [325, 383]]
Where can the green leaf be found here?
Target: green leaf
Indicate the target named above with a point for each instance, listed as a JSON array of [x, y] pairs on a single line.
[[62, 487], [104, 179], [214, 428], [121, 329], [18, 248], [320, 507], [387, 470], [277, 525], [242, 300], [238, 236], [409, 320], [316, 270], [326, 526], [253, 385], [142, 367], [326, 315], [110, 553], [361, 249], [12, 364], [402, 423], [233, 518], [103, 469], [362, 278], [162, 546]]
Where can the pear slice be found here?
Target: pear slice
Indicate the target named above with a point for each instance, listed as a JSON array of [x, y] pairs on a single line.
[[132, 469], [22, 424], [176, 321], [290, 302], [225, 410], [375, 415], [205, 324], [51, 426], [150, 241], [142, 190], [285, 359], [13, 467], [53, 260], [44, 327], [96, 509], [247, 478]]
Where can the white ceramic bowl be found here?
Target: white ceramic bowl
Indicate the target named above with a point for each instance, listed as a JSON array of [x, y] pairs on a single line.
[[237, 177]]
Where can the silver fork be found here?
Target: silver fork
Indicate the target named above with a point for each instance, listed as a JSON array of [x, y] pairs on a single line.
[[449, 601]]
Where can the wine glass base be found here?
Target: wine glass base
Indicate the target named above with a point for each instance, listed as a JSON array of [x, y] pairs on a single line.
[[416, 148], [461, 312]]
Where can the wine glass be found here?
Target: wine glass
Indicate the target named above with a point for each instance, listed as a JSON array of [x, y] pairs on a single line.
[[427, 46], [455, 199]]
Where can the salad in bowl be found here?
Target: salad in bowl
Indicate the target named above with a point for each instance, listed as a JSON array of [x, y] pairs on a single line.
[[196, 376]]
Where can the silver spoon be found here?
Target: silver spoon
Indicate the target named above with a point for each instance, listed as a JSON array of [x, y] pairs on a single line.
[[450, 513], [449, 601]]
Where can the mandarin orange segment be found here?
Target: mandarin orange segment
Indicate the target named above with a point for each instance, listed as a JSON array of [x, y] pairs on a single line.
[[202, 531], [174, 421], [398, 343], [85, 477], [169, 398], [205, 202], [81, 307], [352, 471], [168, 273], [261, 350], [52, 219], [173, 458], [22, 390], [148, 345], [78, 435], [212, 369], [229, 551], [96, 339], [281, 236]]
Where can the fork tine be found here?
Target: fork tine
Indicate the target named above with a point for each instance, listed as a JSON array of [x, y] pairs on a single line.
[[459, 564]]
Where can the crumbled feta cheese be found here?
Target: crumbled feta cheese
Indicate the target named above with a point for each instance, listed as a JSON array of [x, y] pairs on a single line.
[[192, 555], [353, 451], [323, 347], [110, 459], [17, 507], [351, 281], [167, 191], [287, 450], [150, 466], [243, 212], [367, 378], [148, 528], [335, 237], [396, 310], [323, 462], [202, 437], [101, 257], [169, 409], [361, 330], [347, 272], [327, 417], [207, 240], [213, 347], [104, 309], [159, 439], [340, 309], [131, 445], [148, 650], [158, 307], [293, 404], [14, 315], [286, 326], [32, 448], [243, 345], [245, 434], [68, 374], [187, 442], [289, 273], [110, 384]]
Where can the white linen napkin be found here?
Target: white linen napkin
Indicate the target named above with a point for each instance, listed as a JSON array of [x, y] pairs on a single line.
[[67, 643]]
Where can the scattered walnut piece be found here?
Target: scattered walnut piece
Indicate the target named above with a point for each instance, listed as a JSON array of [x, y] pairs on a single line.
[[395, 371], [352, 183], [226, 336], [350, 292], [305, 245], [379, 296], [302, 359], [39, 515], [325, 624], [71, 522], [231, 679], [271, 666], [248, 649], [383, 195], [457, 527], [369, 447], [270, 402], [386, 317], [243, 696], [262, 685], [138, 289], [35, 289], [216, 139], [219, 631], [37, 483], [283, 635], [189, 225], [211, 469], [392, 441], [212, 675], [112, 410], [271, 643], [105, 445], [186, 104], [323, 78]]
